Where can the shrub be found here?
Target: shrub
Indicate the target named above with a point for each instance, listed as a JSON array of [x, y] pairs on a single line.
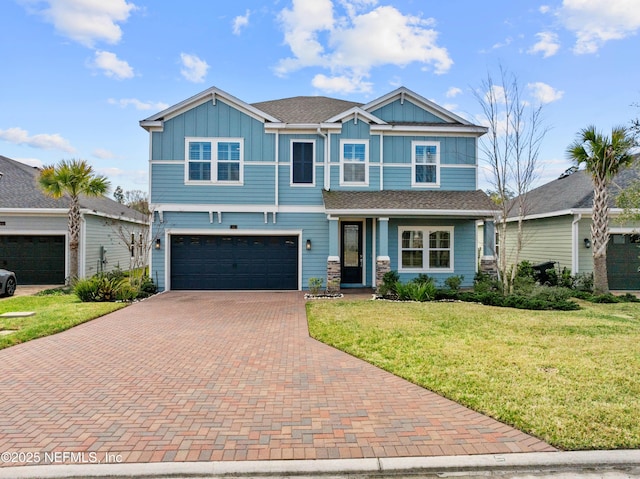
[[605, 298], [388, 287], [551, 294], [415, 291], [583, 282], [147, 288], [454, 282], [566, 280], [315, 285], [484, 283], [423, 279], [112, 287]]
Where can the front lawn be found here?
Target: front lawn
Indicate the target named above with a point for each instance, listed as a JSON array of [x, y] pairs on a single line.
[[571, 378], [54, 313]]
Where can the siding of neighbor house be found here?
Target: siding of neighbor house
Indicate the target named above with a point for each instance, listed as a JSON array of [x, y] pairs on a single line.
[[102, 232], [547, 239], [248, 208]]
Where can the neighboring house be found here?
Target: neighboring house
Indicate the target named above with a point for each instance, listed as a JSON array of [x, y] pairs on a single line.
[[34, 238], [271, 194], [557, 228]]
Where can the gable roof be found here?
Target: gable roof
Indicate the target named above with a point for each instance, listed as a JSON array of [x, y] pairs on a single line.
[[316, 110], [211, 94], [573, 191], [19, 189], [438, 203]]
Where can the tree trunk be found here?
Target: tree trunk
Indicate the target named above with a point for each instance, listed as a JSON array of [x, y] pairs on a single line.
[[600, 280], [74, 239], [600, 235]]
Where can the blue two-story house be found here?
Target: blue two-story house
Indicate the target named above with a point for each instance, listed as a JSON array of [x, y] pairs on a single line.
[[268, 195]]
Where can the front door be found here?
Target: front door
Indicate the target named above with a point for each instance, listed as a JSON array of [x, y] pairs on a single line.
[[351, 256]]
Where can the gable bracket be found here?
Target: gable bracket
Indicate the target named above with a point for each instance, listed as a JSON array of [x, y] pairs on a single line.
[[213, 98]]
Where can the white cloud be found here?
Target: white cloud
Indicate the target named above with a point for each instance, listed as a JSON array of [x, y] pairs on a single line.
[[341, 84], [138, 104], [595, 22], [544, 9], [43, 141], [30, 161], [85, 21], [193, 68], [112, 66], [103, 154], [350, 46], [240, 22], [453, 92], [547, 44], [544, 93]]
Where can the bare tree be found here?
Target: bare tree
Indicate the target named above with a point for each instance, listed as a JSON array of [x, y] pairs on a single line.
[[511, 150]]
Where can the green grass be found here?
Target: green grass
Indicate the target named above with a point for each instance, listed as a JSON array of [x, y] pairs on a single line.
[[571, 378], [54, 313]]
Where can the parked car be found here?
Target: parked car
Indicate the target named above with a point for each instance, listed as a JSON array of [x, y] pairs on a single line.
[[8, 282]]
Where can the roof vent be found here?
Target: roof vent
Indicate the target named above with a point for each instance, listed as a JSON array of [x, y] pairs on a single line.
[[568, 172]]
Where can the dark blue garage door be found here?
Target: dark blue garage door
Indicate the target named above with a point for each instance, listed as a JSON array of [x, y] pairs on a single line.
[[234, 262], [34, 259]]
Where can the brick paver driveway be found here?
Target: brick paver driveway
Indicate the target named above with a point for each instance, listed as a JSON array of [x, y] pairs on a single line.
[[223, 376]]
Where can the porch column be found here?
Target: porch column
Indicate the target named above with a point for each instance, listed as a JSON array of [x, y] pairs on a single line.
[[333, 261], [488, 261], [383, 261]]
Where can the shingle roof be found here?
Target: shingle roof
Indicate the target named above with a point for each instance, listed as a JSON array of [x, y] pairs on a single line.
[[19, 190], [431, 202], [574, 191], [305, 109]]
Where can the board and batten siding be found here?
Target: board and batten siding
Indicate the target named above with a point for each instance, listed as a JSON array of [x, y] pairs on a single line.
[[545, 239], [405, 111], [212, 121], [453, 150]]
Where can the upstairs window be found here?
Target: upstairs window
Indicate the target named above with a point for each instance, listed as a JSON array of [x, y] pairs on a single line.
[[228, 161], [354, 162], [214, 160], [199, 161], [302, 162], [425, 163]]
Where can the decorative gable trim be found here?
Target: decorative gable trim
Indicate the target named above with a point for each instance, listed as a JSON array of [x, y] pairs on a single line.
[[404, 94], [212, 94], [356, 113]]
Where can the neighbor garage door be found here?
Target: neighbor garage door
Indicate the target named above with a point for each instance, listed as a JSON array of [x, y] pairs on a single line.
[[623, 262], [34, 259], [234, 262]]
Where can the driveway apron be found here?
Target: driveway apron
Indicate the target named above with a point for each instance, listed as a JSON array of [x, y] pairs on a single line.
[[222, 376]]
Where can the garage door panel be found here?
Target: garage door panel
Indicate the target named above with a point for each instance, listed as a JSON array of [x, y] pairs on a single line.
[[623, 262], [227, 262], [34, 259]]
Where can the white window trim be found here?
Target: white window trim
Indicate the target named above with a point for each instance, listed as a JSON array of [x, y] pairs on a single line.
[[214, 161], [426, 230], [366, 162], [414, 183], [313, 171]]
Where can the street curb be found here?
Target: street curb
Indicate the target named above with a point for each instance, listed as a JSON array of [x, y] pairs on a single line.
[[518, 462]]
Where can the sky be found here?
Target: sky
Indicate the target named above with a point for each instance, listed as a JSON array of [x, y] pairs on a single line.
[[77, 76]]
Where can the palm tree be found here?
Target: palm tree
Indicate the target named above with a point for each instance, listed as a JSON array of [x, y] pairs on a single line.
[[603, 158], [72, 178]]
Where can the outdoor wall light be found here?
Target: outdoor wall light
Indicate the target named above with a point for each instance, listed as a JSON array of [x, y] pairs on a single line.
[[308, 244], [158, 244], [587, 243]]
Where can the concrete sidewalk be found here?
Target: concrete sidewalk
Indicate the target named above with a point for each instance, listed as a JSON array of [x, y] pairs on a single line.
[[565, 465]]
